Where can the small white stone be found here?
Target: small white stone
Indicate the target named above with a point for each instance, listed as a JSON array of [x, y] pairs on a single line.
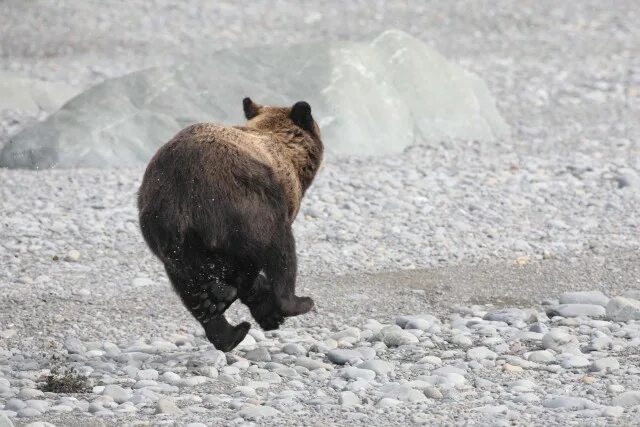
[[147, 374], [140, 282], [349, 398], [193, 381], [388, 402], [294, 349], [576, 310], [622, 309], [569, 402], [29, 393], [461, 340], [117, 393], [584, 297], [606, 363], [397, 337], [541, 356], [380, 367], [353, 373], [627, 399], [575, 362], [167, 406], [612, 411], [73, 255], [253, 412], [559, 340], [170, 377], [480, 353], [341, 356]]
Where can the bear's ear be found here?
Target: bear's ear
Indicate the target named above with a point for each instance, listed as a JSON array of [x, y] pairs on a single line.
[[251, 109], [301, 115]]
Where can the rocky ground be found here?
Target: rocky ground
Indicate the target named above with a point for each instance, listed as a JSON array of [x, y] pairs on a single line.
[[467, 249]]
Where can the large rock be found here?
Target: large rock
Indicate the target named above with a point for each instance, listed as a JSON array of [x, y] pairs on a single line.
[[31, 96], [371, 98]]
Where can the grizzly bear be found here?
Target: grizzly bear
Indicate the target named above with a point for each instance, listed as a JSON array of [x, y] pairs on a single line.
[[216, 206]]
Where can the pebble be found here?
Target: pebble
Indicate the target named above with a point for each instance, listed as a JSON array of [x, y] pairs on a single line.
[[398, 337], [117, 393], [541, 356], [575, 362], [480, 353], [584, 297], [354, 373], [612, 411], [461, 340], [402, 392], [254, 412], [569, 402], [167, 406], [28, 412], [29, 393], [508, 315], [259, 354], [576, 310], [627, 399], [559, 340], [349, 398], [622, 309], [341, 356], [294, 349], [380, 367], [605, 364], [388, 402]]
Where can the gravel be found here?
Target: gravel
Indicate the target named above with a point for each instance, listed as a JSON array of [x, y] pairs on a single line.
[[458, 283]]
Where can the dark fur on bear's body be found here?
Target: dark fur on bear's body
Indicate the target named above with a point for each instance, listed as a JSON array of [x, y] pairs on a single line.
[[216, 206]]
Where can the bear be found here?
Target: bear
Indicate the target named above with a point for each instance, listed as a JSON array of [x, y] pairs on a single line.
[[216, 206]]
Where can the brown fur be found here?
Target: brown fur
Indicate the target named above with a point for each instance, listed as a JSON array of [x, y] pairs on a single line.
[[216, 206]]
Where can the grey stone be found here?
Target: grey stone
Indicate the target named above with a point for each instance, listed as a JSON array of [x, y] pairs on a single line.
[[393, 336], [576, 310], [167, 406], [259, 354], [294, 349], [508, 315], [402, 392], [561, 341], [349, 398], [569, 402], [354, 373], [342, 356], [122, 121], [622, 309], [584, 297], [541, 356], [119, 394], [627, 399], [14, 405], [480, 353], [254, 412], [606, 363], [576, 361], [5, 421], [309, 363], [28, 412], [380, 367]]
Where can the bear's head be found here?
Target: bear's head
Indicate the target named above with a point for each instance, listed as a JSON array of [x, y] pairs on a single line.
[[267, 118]]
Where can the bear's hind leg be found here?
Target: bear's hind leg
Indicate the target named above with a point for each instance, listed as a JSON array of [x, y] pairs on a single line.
[[207, 302], [272, 296], [223, 335]]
